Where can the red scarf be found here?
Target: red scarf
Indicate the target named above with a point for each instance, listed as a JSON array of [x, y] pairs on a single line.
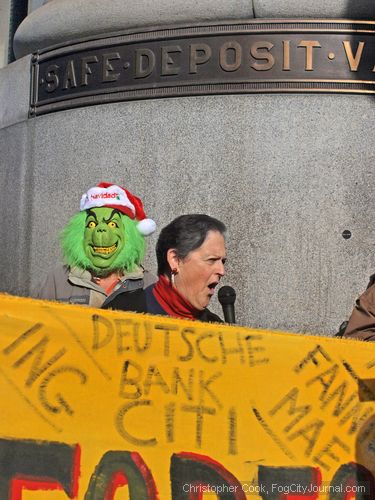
[[173, 303]]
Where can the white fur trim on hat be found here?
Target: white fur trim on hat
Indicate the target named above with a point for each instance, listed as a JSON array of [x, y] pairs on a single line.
[[101, 197], [146, 227]]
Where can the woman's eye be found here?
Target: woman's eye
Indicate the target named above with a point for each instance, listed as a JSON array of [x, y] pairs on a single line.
[[91, 224], [112, 224]]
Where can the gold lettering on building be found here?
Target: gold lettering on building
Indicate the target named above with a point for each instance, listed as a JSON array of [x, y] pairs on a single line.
[[70, 80], [144, 63], [353, 60], [261, 52], [86, 69], [230, 51], [169, 65], [309, 45], [52, 78], [200, 53], [286, 55], [108, 69]]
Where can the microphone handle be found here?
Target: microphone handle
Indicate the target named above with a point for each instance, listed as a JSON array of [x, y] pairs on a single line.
[[228, 310]]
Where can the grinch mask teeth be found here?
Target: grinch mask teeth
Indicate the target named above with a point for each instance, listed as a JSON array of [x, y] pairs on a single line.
[[105, 250]]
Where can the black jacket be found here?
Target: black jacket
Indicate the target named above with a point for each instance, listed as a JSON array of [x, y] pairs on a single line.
[[144, 301]]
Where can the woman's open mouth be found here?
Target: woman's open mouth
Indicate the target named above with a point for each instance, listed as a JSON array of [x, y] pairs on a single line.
[[211, 287]]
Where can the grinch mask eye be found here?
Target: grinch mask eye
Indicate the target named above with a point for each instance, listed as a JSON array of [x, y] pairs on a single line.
[[112, 224], [91, 224]]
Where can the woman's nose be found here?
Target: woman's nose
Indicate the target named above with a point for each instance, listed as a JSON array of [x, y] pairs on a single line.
[[221, 268]]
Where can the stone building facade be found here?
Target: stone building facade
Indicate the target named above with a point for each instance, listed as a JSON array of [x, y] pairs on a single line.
[[289, 172]]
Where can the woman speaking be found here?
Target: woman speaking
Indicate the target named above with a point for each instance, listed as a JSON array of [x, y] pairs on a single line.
[[191, 255]]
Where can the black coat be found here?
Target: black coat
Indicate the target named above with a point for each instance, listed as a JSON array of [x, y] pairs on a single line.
[[144, 301]]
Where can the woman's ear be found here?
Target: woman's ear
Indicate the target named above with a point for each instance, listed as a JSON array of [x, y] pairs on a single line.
[[173, 259]]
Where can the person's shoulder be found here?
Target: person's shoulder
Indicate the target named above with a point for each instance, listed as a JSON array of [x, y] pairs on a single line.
[[46, 289], [368, 296], [370, 290], [139, 272], [134, 301], [61, 270], [210, 317], [148, 278]]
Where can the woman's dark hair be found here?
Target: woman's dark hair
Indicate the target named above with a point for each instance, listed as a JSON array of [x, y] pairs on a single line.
[[185, 234]]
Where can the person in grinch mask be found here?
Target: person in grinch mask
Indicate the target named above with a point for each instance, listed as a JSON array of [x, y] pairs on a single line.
[[103, 246]]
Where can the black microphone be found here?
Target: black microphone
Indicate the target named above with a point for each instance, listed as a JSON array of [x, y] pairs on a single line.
[[227, 298]]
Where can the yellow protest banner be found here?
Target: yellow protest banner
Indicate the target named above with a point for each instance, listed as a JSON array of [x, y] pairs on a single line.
[[107, 405]]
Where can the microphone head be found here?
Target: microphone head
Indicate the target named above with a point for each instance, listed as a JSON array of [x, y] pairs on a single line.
[[226, 295]]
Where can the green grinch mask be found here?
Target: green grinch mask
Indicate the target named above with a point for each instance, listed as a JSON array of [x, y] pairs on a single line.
[[102, 240], [104, 236]]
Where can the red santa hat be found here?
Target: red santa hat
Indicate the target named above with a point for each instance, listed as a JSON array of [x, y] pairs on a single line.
[[119, 198]]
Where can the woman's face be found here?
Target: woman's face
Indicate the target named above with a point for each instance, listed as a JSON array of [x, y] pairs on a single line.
[[201, 270]]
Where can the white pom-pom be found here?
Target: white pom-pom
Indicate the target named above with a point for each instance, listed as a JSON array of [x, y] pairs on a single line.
[[146, 227]]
